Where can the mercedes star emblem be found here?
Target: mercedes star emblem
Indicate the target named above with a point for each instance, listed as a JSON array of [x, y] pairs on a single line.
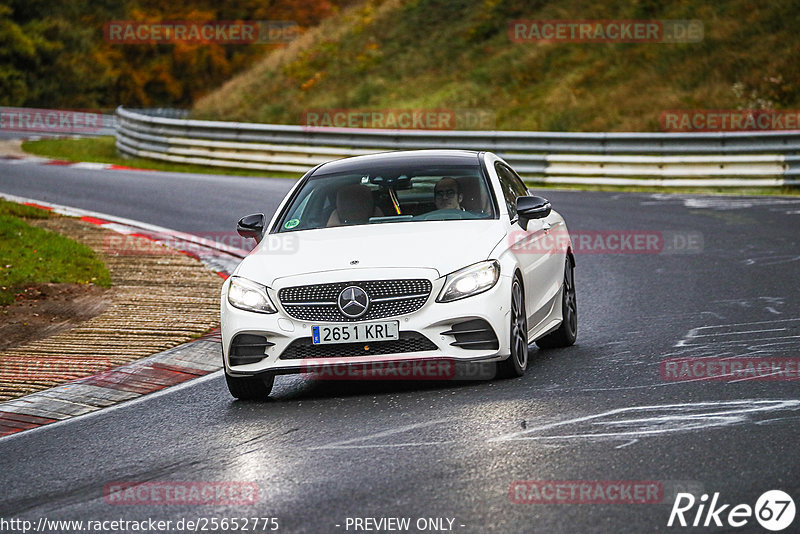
[[353, 302]]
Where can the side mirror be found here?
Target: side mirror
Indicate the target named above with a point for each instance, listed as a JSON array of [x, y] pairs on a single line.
[[529, 208], [252, 226]]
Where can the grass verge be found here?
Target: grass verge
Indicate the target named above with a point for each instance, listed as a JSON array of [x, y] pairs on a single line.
[[104, 150], [31, 255]]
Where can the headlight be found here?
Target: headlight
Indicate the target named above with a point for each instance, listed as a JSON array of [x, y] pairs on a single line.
[[247, 295], [470, 281]]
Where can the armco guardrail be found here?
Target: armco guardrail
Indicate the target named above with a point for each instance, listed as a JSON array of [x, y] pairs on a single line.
[[733, 159]]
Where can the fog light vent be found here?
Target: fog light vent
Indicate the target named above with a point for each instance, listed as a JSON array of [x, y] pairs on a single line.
[[475, 334], [248, 348]]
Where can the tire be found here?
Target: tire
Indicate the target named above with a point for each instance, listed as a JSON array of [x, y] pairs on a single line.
[[517, 362], [250, 387], [567, 332]]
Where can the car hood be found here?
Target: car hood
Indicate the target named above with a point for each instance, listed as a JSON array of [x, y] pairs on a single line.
[[445, 246]]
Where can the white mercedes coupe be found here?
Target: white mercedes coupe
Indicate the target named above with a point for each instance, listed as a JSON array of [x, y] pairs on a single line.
[[414, 256]]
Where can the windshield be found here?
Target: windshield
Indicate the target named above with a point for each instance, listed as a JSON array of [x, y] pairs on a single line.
[[357, 198]]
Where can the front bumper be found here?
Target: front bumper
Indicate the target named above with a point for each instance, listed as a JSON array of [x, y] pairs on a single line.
[[433, 321]]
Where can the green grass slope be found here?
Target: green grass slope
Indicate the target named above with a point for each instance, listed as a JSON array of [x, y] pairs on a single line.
[[30, 255], [445, 54]]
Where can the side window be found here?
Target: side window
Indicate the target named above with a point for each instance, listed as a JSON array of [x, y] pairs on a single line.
[[519, 185], [512, 188]]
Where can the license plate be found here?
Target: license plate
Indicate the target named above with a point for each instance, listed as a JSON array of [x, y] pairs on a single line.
[[355, 333]]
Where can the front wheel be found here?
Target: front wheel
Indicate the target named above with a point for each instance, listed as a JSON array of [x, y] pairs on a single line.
[[250, 387], [517, 362], [567, 332]]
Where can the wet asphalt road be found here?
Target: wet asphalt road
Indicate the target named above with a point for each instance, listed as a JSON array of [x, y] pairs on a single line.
[[322, 452]]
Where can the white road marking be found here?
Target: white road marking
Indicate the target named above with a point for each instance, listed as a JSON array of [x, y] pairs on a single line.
[[656, 420], [741, 332], [386, 445], [723, 203], [759, 377], [730, 329], [346, 444], [772, 259]]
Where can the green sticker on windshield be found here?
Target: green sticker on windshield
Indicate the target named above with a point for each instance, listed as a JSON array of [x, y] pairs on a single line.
[[291, 223]]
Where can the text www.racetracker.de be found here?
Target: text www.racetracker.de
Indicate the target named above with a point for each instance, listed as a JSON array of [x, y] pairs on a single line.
[[199, 524]]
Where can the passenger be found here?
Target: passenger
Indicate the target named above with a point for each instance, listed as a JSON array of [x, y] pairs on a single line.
[[354, 205]]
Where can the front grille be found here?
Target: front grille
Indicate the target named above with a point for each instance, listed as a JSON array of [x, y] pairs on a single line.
[[408, 342], [388, 298]]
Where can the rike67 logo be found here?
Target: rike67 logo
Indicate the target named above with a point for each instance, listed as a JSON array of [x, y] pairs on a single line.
[[774, 510]]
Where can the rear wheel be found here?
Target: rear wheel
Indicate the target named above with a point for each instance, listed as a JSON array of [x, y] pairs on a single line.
[[567, 333], [250, 387], [517, 362]]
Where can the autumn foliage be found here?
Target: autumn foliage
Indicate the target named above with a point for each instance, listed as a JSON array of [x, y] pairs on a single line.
[[53, 54]]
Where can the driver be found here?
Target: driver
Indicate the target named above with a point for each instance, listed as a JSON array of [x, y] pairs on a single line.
[[447, 194]]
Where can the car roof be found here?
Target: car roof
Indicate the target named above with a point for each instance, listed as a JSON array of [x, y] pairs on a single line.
[[405, 157]]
